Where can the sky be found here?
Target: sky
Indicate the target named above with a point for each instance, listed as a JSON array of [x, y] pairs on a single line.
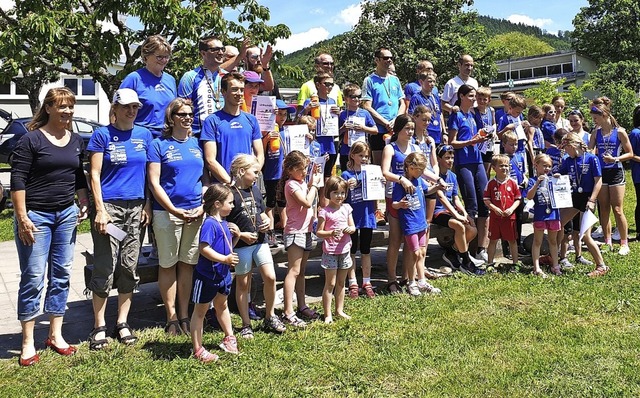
[[319, 20]]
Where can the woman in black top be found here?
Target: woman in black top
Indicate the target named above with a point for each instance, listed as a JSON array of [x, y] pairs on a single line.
[[46, 174]]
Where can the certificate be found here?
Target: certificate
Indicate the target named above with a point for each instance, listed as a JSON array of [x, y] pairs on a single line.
[[560, 189], [353, 135], [263, 108], [295, 137], [316, 164], [372, 182], [520, 132], [329, 123]]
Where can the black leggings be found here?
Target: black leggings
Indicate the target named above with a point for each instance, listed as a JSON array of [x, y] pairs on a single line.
[[364, 243], [637, 186]]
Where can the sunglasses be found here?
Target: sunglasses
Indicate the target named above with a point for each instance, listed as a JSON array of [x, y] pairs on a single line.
[[254, 56], [389, 58], [183, 115], [328, 63], [215, 49], [328, 84], [355, 96]]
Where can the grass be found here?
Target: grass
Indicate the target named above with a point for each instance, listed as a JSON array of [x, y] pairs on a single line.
[[496, 336]]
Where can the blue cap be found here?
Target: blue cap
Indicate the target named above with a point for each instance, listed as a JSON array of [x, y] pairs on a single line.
[[280, 104]]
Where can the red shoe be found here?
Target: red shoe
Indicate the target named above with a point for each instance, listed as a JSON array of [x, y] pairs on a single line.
[[368, 290], [29, 361], [354, 292], [545, 260], [62, 351]]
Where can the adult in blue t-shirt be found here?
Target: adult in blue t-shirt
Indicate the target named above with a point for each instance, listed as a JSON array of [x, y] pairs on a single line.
[[154, 87], [118, 157], [230, 131]]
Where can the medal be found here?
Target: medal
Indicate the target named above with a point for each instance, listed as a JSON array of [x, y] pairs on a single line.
[[548, 210], [435, 122], [389, 103], [580, 189]]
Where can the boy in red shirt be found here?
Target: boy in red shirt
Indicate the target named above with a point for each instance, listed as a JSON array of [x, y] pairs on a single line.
[[502, 197]]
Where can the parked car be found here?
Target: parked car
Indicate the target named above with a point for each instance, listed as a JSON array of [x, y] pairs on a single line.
[[16, 128]]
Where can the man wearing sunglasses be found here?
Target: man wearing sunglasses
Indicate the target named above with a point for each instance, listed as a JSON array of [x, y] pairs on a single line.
[[383, 97], [256, 60], [202, 85], [323, 64]]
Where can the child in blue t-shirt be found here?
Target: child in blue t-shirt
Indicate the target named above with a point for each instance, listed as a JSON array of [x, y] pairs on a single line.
[[212, 274], [413, 220], [355, 123]]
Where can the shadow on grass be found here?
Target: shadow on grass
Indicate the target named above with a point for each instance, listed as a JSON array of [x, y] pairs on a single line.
[[168, 350]]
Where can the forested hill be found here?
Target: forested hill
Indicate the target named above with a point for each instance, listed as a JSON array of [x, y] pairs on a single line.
[[494, 27]]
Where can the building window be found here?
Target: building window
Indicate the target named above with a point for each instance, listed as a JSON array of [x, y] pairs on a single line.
[[515, 75], [526, 73], [71, 84], [567, 68], [88, 87], [19, 89], [540, 72], [5, 88], [554, 70], [501, 77]]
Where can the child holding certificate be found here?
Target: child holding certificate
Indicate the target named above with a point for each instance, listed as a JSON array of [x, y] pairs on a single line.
[[410, 205], [355, 123], [544, 216]]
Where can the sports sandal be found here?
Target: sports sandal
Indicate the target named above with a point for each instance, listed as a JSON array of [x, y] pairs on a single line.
[[293, 320], [128, 340], [306, 312], [394, 288], [368, 290], [274, 324], [205, 356], [246, 332], [600, 270], [97, 344], [354, 292], [185, 326], [556, 270], [176, 328]]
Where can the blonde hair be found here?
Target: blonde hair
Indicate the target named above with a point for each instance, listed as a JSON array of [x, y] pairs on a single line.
[[599, 107], [173, 107], [509, 135], [499, 158], [241, 163], [484, 92], [55, 96], [542, 157], [574, 140], [416, 159], [153, 44], [357, 148]]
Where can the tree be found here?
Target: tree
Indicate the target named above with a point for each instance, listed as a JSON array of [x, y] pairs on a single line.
[[437, 30], [516, 44], [42, 38], [608, 30]]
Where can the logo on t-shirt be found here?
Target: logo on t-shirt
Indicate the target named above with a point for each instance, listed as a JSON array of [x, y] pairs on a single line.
[[235, 125]]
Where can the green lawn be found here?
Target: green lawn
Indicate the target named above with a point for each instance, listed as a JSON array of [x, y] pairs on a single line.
[[501, 335]]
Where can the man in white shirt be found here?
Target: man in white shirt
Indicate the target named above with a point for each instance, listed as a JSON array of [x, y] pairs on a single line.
[[450, 91]]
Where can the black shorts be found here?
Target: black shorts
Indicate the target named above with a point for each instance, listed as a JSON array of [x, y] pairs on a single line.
[[328, 166], [486, 157], [613, 176], [442, 219], [361, 239], [580, 200], [270, 187], [376, 142]]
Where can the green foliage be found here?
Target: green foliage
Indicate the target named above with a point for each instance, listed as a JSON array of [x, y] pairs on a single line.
[[439, 31], [497, 26], [516, 44], [62, 36], [608, 31]]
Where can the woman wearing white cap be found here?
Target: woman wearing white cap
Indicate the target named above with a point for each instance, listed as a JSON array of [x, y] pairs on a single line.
[[118, 156]]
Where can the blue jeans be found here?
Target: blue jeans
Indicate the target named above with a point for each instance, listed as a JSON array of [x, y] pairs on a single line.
[[54, 244]]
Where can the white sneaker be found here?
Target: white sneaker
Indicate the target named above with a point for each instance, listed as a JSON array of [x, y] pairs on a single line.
[[413, 289], [428, 288], [482, 255], [624, 250], [583, 261], [597, 234], [615, 235], [477, 261], [565, 263]]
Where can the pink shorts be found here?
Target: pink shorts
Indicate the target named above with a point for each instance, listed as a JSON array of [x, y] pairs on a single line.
[[414, 242], [551, 225]]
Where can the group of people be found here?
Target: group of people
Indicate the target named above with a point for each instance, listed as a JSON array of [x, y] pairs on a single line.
[[185, 158]]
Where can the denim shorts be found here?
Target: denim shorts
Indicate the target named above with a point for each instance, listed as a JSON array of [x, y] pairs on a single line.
[[259, 254], [336, 261], [50, 255]]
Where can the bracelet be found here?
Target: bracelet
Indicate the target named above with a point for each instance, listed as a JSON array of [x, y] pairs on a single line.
[[400, 178], [268, 68]]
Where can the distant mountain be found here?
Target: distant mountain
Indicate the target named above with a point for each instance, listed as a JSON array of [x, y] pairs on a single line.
[[493, 26]]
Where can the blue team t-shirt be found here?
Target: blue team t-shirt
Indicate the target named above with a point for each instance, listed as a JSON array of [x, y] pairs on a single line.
[[202, 87], [272, 169], [548, 129], [414, 219], [465, 125], [432, 101], [181, 167], [611, 146], [326, 142], [385, 94], [155, 93], [542, 204], [368, 121], [451, 192], [556, 158], [124, 161], [411, 89], [217, 235], [506, 120], [232, 134], [518, 163], [581, 170], [634, 138], [363, 210]]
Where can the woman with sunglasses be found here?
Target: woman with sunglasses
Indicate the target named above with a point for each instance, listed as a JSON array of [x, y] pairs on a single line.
[[154, 87], [175, 170], [559, 105], [613, 148]]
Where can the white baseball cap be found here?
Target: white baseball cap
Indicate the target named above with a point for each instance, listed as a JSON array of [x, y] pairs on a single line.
[[126, 96]]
